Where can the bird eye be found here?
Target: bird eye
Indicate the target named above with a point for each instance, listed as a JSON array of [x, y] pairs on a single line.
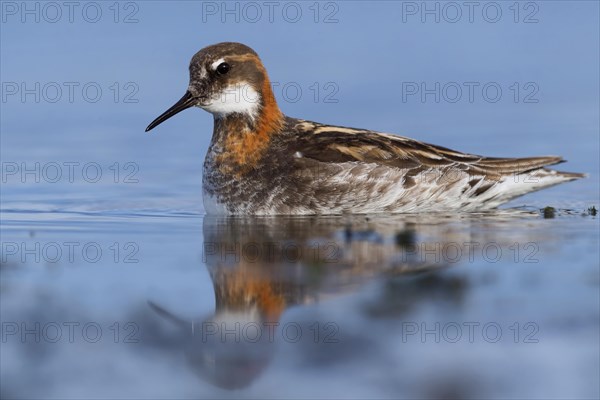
[[223, 68]]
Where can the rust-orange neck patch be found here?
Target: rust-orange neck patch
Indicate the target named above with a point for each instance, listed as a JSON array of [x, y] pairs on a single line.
[[246, 139]]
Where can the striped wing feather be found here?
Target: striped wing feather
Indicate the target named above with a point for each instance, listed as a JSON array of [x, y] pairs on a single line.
[[338, 144]]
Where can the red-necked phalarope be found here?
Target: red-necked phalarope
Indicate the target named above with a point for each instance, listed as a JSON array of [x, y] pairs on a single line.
[[263, 162]]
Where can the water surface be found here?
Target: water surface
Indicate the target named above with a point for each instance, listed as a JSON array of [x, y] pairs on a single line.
[[501, 304]]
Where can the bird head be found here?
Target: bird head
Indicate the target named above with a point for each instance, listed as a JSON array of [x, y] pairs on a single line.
[[226, 79]]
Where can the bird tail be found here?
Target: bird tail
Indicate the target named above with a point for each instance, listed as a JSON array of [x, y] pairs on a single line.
[[517, 184], [509, 178]]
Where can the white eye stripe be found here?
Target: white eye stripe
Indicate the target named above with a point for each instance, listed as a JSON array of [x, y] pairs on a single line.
[[217, 63]]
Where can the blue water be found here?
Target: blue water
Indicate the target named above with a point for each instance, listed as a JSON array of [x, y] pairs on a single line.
[[114, 284]]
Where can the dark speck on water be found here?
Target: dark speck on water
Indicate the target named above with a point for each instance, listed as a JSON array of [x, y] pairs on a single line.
[[549, 212]]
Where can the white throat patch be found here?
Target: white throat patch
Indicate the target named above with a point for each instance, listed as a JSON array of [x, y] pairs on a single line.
[[240, 98]]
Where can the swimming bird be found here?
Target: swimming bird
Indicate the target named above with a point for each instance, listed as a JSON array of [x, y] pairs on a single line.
[[261, 162]]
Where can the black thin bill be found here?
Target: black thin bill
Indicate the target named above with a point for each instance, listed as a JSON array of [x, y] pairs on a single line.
[[186, 101]]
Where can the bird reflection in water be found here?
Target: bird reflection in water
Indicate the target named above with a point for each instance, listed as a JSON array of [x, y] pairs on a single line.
[[260, 267]]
